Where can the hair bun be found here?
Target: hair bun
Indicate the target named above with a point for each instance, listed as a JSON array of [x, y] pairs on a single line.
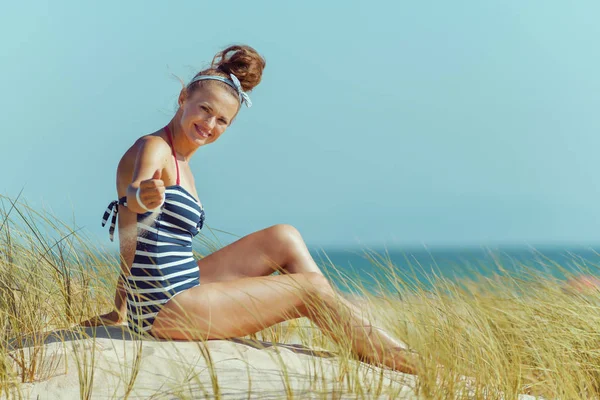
[[242, 61]]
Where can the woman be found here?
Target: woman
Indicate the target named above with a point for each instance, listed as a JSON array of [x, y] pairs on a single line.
[[232, 292]]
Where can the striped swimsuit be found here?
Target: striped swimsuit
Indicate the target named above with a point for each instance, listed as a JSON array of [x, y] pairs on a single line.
[[163, 265]]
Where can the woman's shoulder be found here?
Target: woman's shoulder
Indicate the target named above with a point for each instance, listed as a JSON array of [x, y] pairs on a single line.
[[147, 147], [152, 142]]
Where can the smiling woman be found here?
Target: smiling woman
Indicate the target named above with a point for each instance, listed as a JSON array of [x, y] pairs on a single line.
[[164, 291]]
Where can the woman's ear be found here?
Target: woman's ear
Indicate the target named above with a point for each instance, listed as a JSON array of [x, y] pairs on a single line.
[[182, 97]]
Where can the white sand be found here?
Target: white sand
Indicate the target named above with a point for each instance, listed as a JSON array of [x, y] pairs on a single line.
[[169, 369]]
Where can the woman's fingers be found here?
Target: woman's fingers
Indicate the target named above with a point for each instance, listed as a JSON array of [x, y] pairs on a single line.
[[152, 191]]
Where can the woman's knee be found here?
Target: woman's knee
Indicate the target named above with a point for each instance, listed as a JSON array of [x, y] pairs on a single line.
[[286, 241], [287, 245], [284, 233]]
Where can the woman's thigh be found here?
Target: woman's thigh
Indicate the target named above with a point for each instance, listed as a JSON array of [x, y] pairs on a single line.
[[257, 254], [240, 307]]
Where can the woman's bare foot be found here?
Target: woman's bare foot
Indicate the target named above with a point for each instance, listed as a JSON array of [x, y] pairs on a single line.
[[401, 360], [398, 359]]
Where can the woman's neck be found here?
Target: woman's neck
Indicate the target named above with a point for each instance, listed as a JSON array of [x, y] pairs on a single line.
[[180, 144]]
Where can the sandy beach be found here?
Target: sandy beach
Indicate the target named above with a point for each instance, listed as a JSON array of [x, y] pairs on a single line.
[[116, 365]]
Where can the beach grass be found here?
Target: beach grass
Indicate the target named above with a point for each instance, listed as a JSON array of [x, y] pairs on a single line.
[[495, 335]]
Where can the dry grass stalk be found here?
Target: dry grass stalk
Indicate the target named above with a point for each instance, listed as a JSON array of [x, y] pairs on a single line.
[[508, 333]]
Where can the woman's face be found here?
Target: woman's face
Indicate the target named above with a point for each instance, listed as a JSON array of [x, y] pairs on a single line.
[[206, 113]]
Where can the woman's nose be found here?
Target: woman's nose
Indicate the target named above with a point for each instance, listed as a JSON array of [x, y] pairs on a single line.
[[210, 122]]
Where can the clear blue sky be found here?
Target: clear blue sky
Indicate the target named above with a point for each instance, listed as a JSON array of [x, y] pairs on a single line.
[[379, 122]]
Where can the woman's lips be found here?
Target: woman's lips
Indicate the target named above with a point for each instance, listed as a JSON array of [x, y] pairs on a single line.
[[201, 133]]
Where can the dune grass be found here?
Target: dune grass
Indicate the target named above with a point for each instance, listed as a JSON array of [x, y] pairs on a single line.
[[498, 335]]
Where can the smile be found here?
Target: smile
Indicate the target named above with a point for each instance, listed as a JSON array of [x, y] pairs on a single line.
[[201, 133]]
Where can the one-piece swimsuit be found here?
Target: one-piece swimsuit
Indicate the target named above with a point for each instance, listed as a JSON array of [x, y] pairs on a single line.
[[163, 265]]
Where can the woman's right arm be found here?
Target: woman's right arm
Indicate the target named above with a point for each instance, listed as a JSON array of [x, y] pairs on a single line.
[[153, 153]]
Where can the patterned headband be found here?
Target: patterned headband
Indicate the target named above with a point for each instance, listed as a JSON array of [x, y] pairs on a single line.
[[233, 82]]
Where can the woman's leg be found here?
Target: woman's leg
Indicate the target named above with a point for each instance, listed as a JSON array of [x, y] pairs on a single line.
[[277, 248], [244, 306]]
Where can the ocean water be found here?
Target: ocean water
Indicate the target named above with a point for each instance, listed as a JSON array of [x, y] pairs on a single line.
[[422, 266]]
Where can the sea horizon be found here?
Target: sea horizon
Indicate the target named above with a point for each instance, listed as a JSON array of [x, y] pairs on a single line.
[[422, 264]]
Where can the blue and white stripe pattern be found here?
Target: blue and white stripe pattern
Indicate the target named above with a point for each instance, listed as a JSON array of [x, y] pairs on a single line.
[[113, 207], [163, 265]]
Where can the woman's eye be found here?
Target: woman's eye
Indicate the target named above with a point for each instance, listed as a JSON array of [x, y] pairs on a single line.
[[204, 108], [222, 122]]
